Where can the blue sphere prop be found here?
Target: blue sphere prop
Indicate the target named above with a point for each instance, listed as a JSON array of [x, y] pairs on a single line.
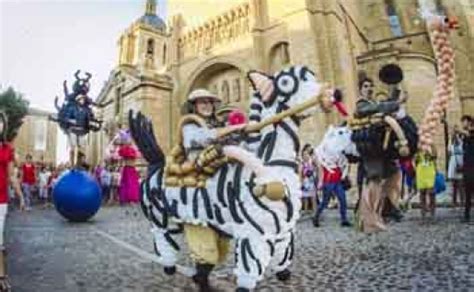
[[77, 196]]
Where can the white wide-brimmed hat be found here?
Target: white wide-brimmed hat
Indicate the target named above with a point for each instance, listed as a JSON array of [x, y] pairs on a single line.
[[202, 93]]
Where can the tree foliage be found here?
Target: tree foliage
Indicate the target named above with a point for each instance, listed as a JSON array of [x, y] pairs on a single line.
[[16, 108]]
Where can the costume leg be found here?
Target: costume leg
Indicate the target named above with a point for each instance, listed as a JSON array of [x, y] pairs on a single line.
[[166, 247], [252, 255], [392, 188], [283, 252], [368, 208]]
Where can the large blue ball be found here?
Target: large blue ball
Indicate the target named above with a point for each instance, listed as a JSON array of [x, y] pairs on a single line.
[[77, 196]]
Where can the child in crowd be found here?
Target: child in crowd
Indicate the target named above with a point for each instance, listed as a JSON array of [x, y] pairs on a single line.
[[53, 178], [106, 183], [308, 173], [115, 172], [43, 178]]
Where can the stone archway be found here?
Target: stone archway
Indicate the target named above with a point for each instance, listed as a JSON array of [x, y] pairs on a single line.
[[220, 79], [225, 77]]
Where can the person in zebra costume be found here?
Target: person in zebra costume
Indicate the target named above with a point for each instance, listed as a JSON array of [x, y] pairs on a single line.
[[239, 201]]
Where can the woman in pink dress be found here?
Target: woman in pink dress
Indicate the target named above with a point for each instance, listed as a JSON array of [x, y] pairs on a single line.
[[129, 189]]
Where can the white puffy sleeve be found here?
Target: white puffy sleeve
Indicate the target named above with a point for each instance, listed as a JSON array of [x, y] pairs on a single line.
[[195, 136]]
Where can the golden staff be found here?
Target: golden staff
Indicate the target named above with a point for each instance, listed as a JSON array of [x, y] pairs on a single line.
[[318, 99]]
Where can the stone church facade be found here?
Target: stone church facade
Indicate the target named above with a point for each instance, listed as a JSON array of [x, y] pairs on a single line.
[[160, 63]]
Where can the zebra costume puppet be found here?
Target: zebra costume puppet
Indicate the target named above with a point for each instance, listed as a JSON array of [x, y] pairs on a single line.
[[229, 202]]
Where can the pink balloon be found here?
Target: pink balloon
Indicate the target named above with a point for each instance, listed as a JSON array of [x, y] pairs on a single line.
[[437, 115], [446, 58], [445, 70]]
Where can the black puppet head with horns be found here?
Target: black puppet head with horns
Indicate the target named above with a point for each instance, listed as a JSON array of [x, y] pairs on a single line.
[[81, 85]]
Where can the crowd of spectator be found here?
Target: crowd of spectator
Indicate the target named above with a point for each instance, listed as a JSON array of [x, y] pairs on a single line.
[[38, 180], [422, 177]]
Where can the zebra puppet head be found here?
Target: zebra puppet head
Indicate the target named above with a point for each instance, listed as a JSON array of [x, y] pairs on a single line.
[[284, 89]]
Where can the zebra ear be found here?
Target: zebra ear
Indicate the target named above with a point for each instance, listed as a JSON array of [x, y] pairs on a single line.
[[262, 83]]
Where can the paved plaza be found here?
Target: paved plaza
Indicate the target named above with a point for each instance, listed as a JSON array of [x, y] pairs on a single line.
[[115, 253]]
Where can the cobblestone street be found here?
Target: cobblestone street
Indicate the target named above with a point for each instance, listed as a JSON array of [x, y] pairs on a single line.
[[115, 253]]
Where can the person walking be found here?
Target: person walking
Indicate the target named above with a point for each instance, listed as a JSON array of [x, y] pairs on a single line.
[[331, 183], [7, 178], [455, 167], [28, 180], [468, 164]]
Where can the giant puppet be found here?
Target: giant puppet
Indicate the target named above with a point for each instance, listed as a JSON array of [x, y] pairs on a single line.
[[226, 191], [76, 118], [75, 115]]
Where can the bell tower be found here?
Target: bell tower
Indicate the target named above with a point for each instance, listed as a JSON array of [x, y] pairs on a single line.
[[144, 45]]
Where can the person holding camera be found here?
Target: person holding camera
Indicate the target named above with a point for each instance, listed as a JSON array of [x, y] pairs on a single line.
[[455, 164]]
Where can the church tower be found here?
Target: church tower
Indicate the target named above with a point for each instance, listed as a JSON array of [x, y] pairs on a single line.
[[144, 45]]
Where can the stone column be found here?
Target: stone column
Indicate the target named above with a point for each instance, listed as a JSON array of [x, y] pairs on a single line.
[[258, 22]]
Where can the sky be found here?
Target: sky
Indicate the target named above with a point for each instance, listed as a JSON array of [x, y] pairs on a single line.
[[43, 42]]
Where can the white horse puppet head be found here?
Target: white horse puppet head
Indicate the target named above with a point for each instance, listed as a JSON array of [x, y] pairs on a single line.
[[335, 146]]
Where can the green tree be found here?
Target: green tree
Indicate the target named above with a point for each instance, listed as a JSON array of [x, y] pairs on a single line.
[[16, 107]]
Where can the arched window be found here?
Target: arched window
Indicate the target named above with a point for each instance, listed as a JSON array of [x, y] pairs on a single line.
[[225, 91], [213, 89], [279, 56], [118, 101], [394, 21], [150, 47], [236, 89], [164, 54]]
